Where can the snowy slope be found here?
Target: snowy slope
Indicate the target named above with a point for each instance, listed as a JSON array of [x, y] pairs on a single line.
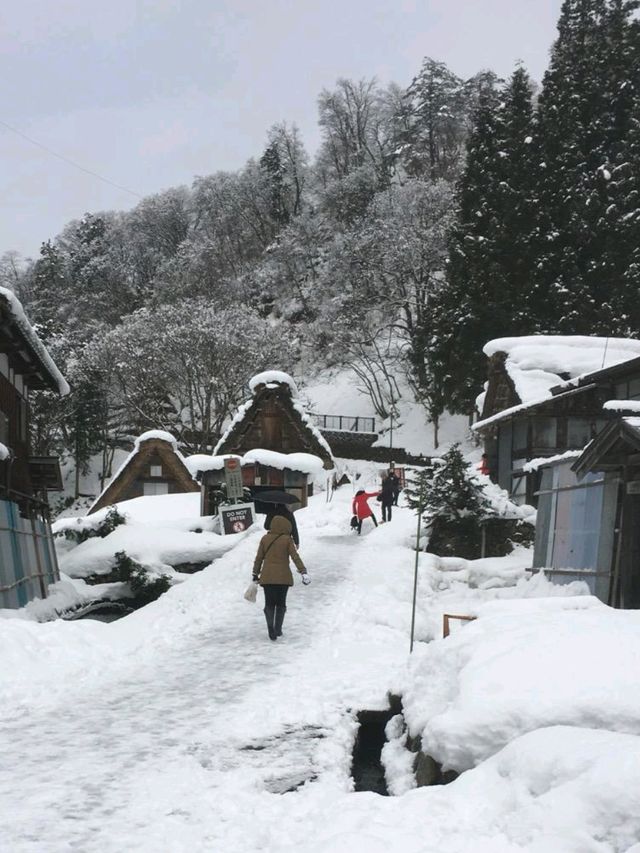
[[334, 392]]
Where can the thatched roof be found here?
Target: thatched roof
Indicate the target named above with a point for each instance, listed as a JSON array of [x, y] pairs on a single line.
[[150, 445], [273, 419]]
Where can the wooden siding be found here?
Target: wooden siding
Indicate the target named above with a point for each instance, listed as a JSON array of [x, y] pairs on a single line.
[[14, 406]]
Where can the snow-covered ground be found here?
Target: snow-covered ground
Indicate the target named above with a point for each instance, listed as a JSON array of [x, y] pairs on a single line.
[[178, 728]]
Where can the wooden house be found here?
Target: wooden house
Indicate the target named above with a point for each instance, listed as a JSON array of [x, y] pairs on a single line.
[[279, 444], [154, 467], [588, 513], [27, 557], [545, 397]]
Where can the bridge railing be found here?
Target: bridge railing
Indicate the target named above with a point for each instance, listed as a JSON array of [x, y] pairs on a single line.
[[346, 423]]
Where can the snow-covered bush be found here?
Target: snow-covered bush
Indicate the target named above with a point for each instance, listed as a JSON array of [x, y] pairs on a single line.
[[103, 528], [144, 586]]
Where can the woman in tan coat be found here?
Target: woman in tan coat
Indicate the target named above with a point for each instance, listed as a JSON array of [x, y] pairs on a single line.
[[271, 570]]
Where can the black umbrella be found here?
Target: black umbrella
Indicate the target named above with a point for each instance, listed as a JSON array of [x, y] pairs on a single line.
[[275, 497]]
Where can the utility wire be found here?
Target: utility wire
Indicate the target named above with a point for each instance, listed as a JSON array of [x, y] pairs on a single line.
[[67, 160]]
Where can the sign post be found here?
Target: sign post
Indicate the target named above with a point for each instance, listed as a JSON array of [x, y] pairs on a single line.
[[233, 479]]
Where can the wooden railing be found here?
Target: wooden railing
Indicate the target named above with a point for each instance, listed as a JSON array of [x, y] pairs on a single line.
[[346, 423]]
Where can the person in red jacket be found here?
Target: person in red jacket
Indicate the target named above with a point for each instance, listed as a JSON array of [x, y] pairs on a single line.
[[361, 508]]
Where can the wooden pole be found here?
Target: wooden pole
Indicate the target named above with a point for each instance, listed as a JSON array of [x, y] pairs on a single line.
[[415, 580]]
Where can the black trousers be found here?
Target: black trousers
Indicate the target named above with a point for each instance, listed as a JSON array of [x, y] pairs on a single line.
[[275, 606], [275, 594], [360, 520], [386, 511]]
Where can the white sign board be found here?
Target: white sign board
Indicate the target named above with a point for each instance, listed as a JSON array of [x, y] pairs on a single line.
[[233, 479], [236, 518]]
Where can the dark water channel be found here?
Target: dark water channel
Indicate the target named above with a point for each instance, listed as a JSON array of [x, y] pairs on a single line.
[[367, 769]]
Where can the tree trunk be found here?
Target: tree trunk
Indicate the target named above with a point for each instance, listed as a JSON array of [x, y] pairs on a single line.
[[436, 431]]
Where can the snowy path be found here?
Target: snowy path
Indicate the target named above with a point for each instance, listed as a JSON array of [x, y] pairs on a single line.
[[215, 707]]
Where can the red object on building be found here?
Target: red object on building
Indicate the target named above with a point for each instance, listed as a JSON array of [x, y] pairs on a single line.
[[483, 467]]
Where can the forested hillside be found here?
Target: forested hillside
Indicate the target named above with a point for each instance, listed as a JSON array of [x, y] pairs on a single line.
[[431, 219]]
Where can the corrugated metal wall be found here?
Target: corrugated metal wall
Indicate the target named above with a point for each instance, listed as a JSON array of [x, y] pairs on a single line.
[[27, 557]]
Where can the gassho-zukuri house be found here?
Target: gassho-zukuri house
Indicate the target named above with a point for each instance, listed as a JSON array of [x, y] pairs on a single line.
[[278, 445], [545, 396], [155, 466], [586, 477], [27, 556]]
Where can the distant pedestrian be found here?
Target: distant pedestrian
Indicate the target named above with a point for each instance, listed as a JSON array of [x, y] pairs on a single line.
[[285, 512], [361, 509], [483, 467], [388, 495], [271, 570], [395, 480]]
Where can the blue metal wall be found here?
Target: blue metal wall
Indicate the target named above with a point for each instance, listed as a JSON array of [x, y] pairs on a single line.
[[27, 557]]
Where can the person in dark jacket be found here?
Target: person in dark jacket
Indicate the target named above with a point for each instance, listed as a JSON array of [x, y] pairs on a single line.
[[395, 480], [284, 511], [271, 570], [388, 497], [361, 509]]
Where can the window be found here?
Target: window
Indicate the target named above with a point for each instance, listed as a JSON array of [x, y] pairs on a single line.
[[544, 432], [520, 430], [628, 389], [634, 389], [155, 489], [156, 470], [579, 432]]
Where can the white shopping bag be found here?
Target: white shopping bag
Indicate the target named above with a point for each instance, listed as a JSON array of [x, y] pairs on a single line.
[[251, 592]]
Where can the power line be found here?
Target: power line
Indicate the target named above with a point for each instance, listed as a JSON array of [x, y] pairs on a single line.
[[68, 160]]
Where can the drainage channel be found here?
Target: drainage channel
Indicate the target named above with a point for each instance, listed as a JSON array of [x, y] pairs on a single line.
[[367, 769]]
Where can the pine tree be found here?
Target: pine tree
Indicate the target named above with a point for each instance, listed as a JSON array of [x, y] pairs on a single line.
[[468, 309], [432, 144], [271, 166], [582, 118]]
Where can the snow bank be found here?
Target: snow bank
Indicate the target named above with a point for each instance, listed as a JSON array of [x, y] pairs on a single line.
[[159, 547], [273, 377], [5, 453], [160, 531], [536, 363], [20, 319], [521, 666]]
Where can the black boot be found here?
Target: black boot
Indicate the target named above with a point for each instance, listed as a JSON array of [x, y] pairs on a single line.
[[269, 613], [280, 611]]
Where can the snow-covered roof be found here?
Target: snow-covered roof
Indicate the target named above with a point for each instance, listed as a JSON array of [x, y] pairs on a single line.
[[534, 464], [267, 378], [537, 363], [203, 462], [273, 377], [158, 434], [235, 420], [28, 333], [307, 463], [622, 406]]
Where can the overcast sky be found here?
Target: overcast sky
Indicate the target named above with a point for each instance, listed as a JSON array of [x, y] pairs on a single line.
[[149, 93]]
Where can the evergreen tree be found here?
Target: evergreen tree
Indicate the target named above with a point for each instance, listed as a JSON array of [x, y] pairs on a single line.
[[432, 143], [468, 309], [583, 117], [272, 168]]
